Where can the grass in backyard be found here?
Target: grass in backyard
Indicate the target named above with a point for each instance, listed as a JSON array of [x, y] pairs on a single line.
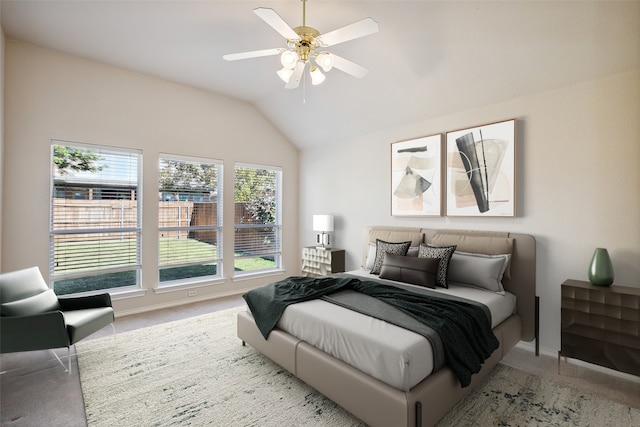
[[95, 283], [190, 249]]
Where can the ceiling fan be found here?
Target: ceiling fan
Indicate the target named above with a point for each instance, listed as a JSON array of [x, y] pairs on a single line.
[[304, 44]]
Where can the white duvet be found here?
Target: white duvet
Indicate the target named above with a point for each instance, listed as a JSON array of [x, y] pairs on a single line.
[[389, 353]]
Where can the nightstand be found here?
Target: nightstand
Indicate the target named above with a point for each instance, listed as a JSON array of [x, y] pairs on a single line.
[[320, 262], [601, 325]]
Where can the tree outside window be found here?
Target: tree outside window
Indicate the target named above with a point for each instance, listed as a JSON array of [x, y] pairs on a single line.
[[257, 221]]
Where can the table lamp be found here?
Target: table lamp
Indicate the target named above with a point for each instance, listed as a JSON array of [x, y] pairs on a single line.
[[322, 224]]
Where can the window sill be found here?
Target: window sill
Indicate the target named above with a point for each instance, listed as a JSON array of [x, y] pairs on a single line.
[[257, 275], [133, 293], [188, 285]]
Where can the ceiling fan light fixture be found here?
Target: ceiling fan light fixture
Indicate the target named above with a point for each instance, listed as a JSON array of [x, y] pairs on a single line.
[[325, 61], [285, 74], [289, 58], [316, 76], [303, 44]]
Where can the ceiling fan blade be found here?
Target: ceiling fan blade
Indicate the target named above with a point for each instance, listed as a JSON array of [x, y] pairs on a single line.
[[253, 54], [276, 22], [353, 31], [349, 67], [294, 81]]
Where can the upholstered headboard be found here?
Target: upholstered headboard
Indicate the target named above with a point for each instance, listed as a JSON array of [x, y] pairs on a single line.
[[520, 278]]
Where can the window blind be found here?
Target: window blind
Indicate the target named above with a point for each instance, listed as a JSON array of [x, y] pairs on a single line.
[[257, 220], [189, 218], [95, 220]]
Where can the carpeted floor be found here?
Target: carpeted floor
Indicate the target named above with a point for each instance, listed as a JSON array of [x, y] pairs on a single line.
[[155, 376]]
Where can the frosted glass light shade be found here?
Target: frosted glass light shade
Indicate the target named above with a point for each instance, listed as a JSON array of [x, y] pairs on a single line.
[[289, 59], [285, 74], [323, 223], [325, 61], [316, 76]]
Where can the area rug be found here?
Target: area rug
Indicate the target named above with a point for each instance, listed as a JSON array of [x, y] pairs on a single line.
[[510, 397], [196, 372]]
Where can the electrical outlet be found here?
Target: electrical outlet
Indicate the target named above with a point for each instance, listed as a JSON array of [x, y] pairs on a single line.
[[193, 293]]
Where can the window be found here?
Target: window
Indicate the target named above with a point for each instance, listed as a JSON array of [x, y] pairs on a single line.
[[189, 219], [95, 220], [258, 219]]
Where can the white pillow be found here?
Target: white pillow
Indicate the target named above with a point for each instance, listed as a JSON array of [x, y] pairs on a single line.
[[483, 271], [371, 256]]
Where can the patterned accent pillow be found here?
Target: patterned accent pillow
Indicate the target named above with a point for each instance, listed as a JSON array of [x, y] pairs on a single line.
[[371, 254], [443, 253], [383, 247]]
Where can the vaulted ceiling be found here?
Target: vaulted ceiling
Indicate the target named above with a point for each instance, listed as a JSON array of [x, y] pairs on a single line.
[[429, 59]]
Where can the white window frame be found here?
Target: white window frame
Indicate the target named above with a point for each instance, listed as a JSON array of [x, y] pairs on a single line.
[[217, 228], [277, 226], [57, 230]]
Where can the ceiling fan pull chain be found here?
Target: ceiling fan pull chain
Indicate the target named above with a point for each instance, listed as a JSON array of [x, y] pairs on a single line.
[[304, 88]]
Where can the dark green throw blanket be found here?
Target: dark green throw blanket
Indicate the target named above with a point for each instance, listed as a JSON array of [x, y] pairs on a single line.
[[464, 328]]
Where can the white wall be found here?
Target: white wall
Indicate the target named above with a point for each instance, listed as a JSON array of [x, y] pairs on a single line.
[[578, 186], [50, 95]]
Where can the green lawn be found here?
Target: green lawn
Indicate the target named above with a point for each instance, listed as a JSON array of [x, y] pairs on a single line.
[[189, 249]]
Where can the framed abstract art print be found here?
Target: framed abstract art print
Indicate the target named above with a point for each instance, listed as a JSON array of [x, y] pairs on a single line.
[[480, 170], [416, 177]]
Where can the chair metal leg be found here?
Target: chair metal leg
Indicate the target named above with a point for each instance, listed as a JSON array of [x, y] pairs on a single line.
[[67, 370], [113, 328], [115, 337]]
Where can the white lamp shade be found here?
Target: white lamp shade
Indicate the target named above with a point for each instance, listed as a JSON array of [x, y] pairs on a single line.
[[325, 61], [323, 223], [285, 74], [316, 76], [289, 58]]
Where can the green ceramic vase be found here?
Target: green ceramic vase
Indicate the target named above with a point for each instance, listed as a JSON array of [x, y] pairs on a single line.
[[601, 269]]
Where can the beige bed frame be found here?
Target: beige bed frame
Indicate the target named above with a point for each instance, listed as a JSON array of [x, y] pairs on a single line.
[[377, 403]]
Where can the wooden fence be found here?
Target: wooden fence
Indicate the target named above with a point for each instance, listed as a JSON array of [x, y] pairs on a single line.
[[73, 215]]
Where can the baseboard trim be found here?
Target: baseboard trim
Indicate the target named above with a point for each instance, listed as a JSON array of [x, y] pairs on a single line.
[[192, 300], [623, 375]]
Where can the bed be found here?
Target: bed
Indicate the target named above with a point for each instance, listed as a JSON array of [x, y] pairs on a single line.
[[408, 398]]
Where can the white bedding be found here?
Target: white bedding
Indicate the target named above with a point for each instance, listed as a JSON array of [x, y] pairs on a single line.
[[394, 355]]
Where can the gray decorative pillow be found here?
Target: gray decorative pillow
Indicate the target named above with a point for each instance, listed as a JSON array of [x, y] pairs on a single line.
[[410, 269], [413, 251], [483, 271], [443, 253], [383, 247]]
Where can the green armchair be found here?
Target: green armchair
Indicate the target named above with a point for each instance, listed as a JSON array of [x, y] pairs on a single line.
[[33, 317]]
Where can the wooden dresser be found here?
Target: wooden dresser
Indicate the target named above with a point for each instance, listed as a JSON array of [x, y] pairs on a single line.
[[601, 325]]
